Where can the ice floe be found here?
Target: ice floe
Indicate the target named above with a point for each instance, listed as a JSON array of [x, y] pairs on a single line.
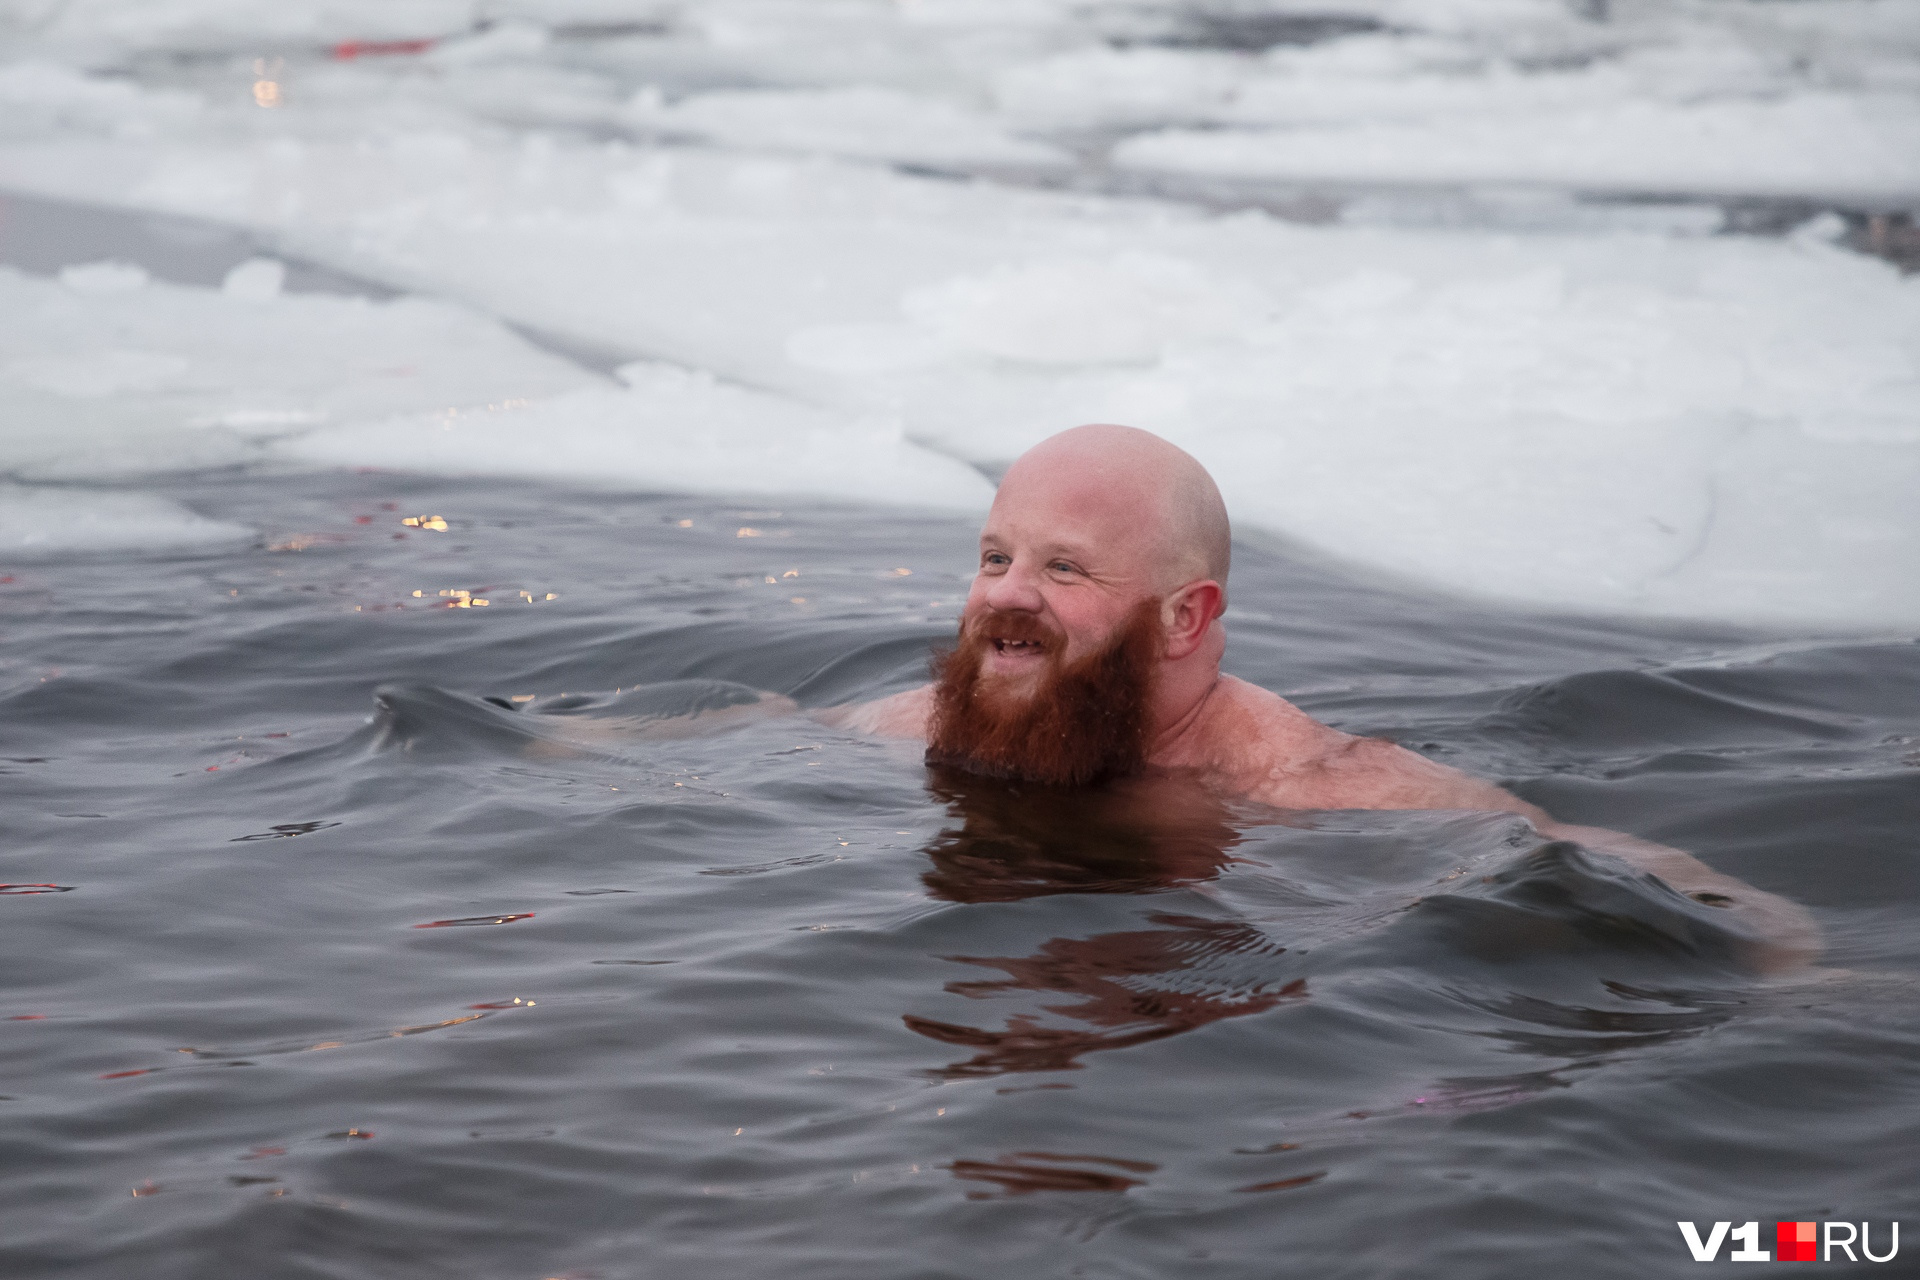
[[666, 430], [105, 374], [39, 520]]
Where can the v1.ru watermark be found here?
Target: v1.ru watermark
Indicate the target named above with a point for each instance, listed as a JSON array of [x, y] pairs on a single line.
[[1795, 1241]]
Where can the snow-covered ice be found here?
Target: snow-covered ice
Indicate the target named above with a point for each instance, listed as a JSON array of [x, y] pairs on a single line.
[[1602, 406], [667, 429], [41, 520], [106, 374], [1849, 146]]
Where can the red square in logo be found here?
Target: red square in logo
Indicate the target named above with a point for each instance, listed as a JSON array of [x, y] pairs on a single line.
[[1796, 1241]]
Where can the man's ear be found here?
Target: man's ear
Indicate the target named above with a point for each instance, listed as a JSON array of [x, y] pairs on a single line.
[[1189, 612]]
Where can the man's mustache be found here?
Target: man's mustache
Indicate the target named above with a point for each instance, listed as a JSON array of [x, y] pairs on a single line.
[[989, 626]]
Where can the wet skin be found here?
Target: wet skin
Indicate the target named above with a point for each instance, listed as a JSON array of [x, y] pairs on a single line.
[[1092, 522]]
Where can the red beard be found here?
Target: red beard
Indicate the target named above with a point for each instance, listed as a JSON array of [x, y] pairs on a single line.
[[1084, 722]]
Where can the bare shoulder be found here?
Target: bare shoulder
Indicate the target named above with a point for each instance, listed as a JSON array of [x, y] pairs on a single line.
[[1372, 773], [1247, 720], [1272, 751], [903, 715], [1238, 711], [1246, 735]]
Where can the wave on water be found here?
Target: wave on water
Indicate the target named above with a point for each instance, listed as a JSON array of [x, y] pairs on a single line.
[[426, 720]]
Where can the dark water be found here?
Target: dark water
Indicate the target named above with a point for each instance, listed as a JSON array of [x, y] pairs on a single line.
[[350, 972]]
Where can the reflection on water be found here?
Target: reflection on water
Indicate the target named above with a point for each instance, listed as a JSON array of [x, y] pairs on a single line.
[[1018, 1174], [1142, 835], [1015, 840], [1130, 992], [1552, 910]]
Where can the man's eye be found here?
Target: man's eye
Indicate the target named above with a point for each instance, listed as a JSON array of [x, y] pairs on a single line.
[[1061, 566], [994, 557]]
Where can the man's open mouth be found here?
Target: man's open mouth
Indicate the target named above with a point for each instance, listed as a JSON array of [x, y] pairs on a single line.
[[1018, 646]]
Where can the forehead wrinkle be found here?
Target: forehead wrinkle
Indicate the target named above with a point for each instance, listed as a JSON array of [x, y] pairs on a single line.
[[1050, 541], [1093, 516]]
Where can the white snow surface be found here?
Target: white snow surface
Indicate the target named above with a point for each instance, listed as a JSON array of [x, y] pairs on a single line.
[[107, 375], [1615, 412], [855, 120], [39, 521], [671, 430]]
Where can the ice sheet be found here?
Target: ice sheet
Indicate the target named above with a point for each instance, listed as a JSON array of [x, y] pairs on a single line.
[[105, 374], [1608, 412], [856, 120], [108, 375], [668, 430], [1677, 106], [38, 521], [1840, 146]]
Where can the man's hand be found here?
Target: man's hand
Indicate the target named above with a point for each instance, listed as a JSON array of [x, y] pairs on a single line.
[[1783, 934]]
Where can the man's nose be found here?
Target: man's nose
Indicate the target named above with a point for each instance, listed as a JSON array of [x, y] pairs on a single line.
[[1015, 591]]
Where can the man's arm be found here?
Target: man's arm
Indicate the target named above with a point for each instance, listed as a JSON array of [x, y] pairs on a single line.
[[903, 715], [1785, 934], [1368, 773]]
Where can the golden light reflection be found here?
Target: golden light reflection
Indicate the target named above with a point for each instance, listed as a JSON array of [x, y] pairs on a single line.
[[461, 598], [686, 524], [436, 523], [266, 89], [903, 573], [791, 573], [744, 532], [302, 541]]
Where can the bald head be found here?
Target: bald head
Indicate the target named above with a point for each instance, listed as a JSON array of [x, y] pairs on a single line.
[[1149, 496]]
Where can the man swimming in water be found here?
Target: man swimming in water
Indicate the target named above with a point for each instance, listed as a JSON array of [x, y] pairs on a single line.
[[1090, 648]]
